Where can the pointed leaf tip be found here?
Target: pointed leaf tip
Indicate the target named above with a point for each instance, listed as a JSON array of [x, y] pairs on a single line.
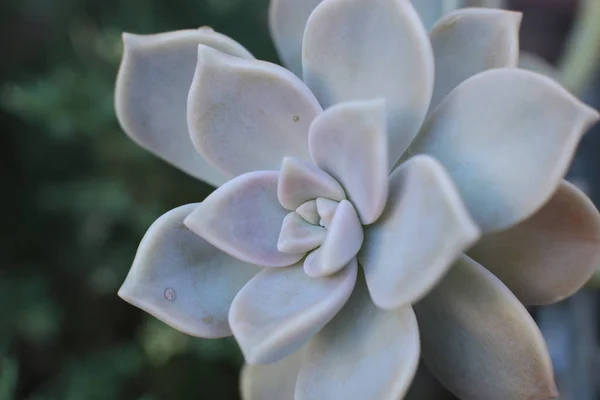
[[246, 115], [506, 136], [151, 93], [183, 280]]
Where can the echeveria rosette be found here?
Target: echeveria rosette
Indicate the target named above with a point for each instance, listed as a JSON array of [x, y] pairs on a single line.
[[308, 222], [489, 138]]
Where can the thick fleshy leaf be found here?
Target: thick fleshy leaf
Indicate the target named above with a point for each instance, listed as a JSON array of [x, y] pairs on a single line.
[[183, 280], [424, 228], [431, 11], [300, 182], [469, 41], [550, 255], [243, 218], [425, 386], [309, 212], [349, 142], [506, 136], [326, 209], [246, 115], [275, 381], [365, 49], [480, 341], [363, 353], [342, 243], [287, 20], [152, 90], [280, 310], [298, 235]]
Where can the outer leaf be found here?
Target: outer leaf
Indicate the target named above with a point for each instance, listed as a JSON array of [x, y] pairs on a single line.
[[506, 136], [363, 353], [246, 115], [365, 49], [480, 341], [422, 231], [244, 218], [469, 41], [183, 280], [550, 255], [287, 20], [280, 310], [152, 89]]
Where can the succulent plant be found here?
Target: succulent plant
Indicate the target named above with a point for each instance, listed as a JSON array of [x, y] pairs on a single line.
[[385, 209]]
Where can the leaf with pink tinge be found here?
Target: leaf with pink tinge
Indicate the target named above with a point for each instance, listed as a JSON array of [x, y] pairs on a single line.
[[366, 49], [349, 142], [243, 218], [275, 381], [480, 341], [183, 280], [280, 310], [298, 236], [342, 243], [550, 255], [469, 41], [309, 212], [246, 115], [424, 228], [287, 19], [300, 182], [363, 353], [152, 89], [506, 136]]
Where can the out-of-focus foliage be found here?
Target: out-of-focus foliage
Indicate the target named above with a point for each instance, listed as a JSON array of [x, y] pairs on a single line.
[[78, 196]]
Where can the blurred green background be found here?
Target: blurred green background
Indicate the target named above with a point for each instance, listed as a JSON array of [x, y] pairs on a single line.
[[78, 196]]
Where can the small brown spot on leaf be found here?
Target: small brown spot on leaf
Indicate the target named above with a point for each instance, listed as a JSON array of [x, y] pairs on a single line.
[[208, 320]]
